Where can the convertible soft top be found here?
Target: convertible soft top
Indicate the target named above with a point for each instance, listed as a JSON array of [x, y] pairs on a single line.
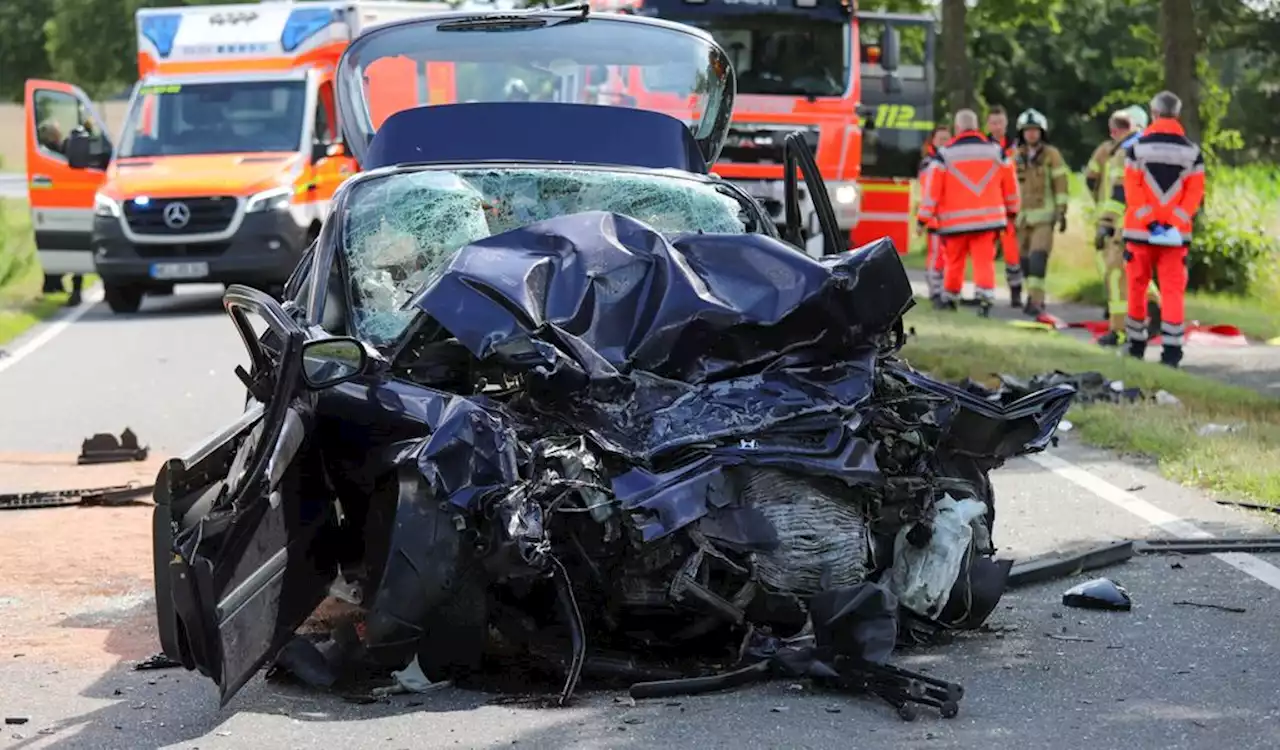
[[535, 131]]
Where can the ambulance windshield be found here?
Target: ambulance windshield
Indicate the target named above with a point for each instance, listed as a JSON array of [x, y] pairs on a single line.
[[535, 56], [221, 117]]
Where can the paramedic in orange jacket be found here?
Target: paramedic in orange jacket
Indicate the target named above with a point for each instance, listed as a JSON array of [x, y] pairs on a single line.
[[933, 253], [971, 198], [1163, 187], [998, 132]]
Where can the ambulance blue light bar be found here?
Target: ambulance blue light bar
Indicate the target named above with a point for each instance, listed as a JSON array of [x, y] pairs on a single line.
[[305, 23], [161, 30]]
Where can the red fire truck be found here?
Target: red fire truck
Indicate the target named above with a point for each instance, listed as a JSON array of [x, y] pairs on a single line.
[[860, 84]]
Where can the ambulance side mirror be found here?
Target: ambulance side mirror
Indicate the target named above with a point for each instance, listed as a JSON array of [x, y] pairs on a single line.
[[85, 151]]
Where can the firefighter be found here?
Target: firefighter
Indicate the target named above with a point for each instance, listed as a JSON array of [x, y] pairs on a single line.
[[972, 197], [1163, 188], [933, 251], [1106, 186], [1042, 179], [998, 132]]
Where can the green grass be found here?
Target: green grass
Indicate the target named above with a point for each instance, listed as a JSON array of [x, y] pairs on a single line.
[[1243, 464], [22, 304]]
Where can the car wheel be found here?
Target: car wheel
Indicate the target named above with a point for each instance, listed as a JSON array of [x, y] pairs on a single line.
[[122, 298]]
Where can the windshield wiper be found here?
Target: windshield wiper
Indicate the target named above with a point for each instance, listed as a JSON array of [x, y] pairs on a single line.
[[521, 22]]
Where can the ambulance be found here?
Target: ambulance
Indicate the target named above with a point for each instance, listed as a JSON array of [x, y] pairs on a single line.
[[228, 156]]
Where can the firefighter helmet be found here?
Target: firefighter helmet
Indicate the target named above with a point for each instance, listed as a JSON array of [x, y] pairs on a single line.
[[1032, 119], [1138, 116]]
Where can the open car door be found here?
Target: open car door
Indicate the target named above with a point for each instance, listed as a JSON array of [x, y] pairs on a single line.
[[61, 196], [238, 529]]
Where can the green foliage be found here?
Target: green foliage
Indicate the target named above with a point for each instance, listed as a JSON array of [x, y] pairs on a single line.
[[22, 49], [1235, 249]]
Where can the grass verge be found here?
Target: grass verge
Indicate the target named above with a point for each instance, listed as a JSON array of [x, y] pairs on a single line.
[[22, 304], [1243, 464]]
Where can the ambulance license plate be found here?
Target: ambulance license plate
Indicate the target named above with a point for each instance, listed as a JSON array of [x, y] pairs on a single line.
[[179, 270]]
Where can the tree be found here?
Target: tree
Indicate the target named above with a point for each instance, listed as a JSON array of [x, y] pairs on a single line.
[[1181, 47], [957, 76], [22, 51]]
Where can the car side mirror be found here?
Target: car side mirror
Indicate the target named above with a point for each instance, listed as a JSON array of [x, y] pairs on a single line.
[[85, 151], [797, 155], [331, 361]]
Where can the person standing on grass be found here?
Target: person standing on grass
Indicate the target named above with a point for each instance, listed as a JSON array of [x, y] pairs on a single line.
[[1105, 178], [971, 198], [933, 249], [1163, 190], [1042, 179], [998, 132]]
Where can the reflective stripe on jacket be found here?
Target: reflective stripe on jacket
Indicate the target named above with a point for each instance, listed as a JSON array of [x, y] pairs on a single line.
[[929, 167], [1042, 177], [972, 190], [1113, 203], [1163, 181]]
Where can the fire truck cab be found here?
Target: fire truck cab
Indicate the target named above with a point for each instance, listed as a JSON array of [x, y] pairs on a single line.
[[228, 157], [860, 85]]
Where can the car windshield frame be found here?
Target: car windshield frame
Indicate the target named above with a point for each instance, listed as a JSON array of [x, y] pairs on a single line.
[[294, 86], [507, 39], [757, 222]]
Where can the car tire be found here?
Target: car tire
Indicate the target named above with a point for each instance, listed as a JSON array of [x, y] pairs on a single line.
[[122, 298]]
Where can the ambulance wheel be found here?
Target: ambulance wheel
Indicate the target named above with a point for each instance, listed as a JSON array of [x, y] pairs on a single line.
[[122, 298]]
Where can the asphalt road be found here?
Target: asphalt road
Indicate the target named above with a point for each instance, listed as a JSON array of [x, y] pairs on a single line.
[[1162, 676], [13, 185]]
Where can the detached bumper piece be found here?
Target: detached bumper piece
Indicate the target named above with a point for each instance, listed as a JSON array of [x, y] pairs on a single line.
[[124, 494]]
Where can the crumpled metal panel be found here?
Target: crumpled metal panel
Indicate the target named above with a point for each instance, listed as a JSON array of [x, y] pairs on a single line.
[[611, 295]]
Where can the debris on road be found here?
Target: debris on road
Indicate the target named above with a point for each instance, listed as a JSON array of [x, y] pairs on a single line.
[[1071, 638], [16, 720], [1208, 605], [1068, 565], [156, 661], [1100, 593], [127, 494], [103, 448], [1249, 506]]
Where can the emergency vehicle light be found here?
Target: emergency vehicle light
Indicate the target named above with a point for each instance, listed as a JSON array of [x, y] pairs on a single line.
[[304, 23], [161, 30]]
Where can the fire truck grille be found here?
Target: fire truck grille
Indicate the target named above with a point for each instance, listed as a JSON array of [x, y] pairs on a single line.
[[756, 145], [180, 216]]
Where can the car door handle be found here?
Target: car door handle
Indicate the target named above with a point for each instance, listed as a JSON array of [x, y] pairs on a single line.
[[40, 180]]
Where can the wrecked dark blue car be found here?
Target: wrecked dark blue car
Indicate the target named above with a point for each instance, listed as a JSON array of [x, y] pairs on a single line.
[[546, 393]]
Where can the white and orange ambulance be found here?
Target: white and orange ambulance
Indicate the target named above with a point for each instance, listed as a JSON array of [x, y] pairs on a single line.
[[229, 154]]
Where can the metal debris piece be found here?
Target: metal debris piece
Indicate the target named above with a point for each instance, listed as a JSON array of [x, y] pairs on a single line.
[[156, 661], [121, 494], [1252, 545], [1249, 506], [1100, 593], [16, 720], [1065, 566], [104, 448], [1208, 605], [1072, 638]]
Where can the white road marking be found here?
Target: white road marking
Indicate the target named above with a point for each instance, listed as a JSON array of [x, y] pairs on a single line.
[[1245, 563], [90, 298]]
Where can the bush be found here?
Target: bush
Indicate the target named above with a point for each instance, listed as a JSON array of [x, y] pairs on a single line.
[[1235, 246]]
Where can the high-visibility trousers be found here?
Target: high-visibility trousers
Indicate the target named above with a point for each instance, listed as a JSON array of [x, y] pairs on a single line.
[[957, 249], [1012, 258], [934, 264], [1169, 265]]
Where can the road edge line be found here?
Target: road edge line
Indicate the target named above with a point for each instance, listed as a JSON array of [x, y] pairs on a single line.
[[91, 298], [1250, 565]]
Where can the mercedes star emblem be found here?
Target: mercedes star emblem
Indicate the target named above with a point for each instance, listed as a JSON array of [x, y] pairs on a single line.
[[176, 215]]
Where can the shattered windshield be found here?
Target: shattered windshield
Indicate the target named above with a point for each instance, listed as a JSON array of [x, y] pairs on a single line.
[[402, 230], [536, 57], [215, 118]]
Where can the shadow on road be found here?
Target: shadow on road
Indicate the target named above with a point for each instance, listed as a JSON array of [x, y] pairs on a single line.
[[205, 300]]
